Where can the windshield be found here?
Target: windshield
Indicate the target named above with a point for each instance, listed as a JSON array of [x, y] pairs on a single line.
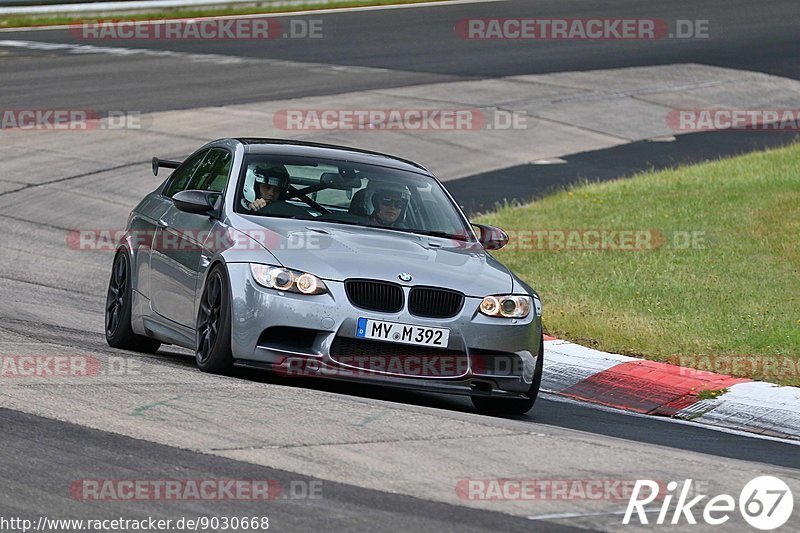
[[347, 193]]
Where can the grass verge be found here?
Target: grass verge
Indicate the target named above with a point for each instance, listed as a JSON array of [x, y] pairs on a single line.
[[718, 286], [21, 21]]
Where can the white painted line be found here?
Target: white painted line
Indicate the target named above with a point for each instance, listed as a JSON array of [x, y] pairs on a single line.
[[557, 516], [82, 49], [128, 6], [554, 397], [119, 51], [553, 161], [83, 7]]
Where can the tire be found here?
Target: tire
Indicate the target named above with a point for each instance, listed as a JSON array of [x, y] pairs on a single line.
[[119, 333], [514, 406], [213, 329]]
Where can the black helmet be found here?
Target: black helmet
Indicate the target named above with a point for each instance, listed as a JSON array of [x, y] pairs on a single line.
[[275, 175]]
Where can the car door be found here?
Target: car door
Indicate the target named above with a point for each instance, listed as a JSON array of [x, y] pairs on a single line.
[[176, 257]]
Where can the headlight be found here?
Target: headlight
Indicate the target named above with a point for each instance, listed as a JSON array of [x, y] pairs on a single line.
[[506, 306], [283, 279]]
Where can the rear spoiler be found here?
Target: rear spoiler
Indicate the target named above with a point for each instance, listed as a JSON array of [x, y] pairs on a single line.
[[158, 163]]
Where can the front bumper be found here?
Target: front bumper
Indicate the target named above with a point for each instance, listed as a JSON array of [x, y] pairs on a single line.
[[496, 356]]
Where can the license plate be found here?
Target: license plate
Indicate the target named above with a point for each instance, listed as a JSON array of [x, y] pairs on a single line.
[[368, 328]]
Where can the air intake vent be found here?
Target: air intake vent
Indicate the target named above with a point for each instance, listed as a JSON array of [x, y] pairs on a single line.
[[395, 358], [435, 303], [374, 295]]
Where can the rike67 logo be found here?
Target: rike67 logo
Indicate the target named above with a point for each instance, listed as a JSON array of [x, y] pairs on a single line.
[[765, 502]]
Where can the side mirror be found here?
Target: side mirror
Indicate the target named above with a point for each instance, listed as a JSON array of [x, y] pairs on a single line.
[[491, 238], [197, 202]]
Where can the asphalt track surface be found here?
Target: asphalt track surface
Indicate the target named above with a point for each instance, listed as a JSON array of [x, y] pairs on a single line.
[[45, 444], [515, 183], [383, 48], [410, 46]]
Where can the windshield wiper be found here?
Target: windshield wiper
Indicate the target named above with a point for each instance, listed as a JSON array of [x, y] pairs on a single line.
[[427, 233], [442, 234], [334, 221], [271, 215]]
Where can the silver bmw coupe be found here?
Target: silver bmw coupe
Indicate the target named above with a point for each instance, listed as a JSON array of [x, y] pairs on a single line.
[[317, 260]]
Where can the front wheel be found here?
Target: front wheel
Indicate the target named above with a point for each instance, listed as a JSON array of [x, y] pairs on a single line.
[[514, 406], [213, 337], [119, 333]]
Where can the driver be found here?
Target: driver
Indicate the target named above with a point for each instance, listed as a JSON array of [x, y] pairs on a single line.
[[390, 202], [271, 184], [271, 188]]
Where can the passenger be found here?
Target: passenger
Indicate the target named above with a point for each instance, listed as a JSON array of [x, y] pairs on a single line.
[[390, 202]]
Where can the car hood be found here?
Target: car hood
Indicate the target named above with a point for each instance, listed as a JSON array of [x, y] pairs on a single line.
[[338, 252]]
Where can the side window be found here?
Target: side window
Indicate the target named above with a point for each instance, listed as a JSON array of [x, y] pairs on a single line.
[[212, 174], [181, 178]]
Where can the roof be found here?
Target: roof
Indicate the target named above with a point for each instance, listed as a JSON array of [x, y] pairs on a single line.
[[329, 151]]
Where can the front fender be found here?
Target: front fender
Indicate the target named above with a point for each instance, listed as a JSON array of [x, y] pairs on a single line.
[[227, 246]]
